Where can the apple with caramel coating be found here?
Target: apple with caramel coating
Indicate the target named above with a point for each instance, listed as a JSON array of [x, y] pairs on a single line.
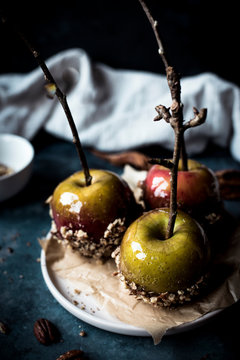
[[92, 219], [197, 188], [158, 269]]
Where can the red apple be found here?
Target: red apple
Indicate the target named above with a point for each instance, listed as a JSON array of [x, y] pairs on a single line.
[[92, 219], [197, 188]]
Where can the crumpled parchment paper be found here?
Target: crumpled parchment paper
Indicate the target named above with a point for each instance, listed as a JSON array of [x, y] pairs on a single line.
[[98, 280]]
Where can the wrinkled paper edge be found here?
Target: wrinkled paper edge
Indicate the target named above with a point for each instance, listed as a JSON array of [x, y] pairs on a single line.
[[114, 297]]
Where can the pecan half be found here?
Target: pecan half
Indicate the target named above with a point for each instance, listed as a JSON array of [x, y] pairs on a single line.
[[72, 355], [46, 332]]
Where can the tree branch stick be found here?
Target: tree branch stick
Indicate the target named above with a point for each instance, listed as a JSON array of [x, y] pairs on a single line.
[[184, 156], [63, 101], [175, 119], [174, 177], [199, 118], [154, 24], [173, 78]]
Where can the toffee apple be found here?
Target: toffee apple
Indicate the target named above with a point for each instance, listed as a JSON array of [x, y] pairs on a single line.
[[92, 219], [164, 255], [197, 188], [163, 271], [90, 210]]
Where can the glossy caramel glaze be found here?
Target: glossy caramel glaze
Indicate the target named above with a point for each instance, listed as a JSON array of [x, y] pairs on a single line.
[[160, 265]]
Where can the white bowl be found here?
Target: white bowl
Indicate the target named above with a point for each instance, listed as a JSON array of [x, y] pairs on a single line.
[[16, 153]]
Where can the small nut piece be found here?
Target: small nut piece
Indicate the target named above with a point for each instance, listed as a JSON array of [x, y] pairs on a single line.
[[45, 332], [72, 355], [3, 328]]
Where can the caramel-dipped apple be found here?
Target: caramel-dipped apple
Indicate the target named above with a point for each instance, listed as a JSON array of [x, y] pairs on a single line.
[[197, 188], [90, 209], [164, 255], [92, 219], [163, 271]]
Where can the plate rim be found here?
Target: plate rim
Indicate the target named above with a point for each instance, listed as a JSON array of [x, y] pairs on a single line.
[[88, 318], [120, 327]]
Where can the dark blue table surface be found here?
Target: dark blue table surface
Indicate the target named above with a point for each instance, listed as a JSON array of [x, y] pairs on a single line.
[[24, 296]]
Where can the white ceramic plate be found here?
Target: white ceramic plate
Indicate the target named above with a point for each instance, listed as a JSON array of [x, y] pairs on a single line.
[[85, 307]]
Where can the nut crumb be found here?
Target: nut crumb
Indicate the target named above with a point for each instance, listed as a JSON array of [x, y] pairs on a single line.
[[3, 328], [82, 333], [165, 299], [79, 240], [75, 302], [77, 291], [72, 354], [48, 200], [5, 170]]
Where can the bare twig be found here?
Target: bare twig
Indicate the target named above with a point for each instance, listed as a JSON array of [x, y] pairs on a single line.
[[199, 118], [62, 99], [163, 113], [184, 156], [173, 80], [154, 24], [174, 116]]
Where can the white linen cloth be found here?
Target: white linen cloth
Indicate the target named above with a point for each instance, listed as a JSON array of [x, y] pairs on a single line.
[[114, 109]]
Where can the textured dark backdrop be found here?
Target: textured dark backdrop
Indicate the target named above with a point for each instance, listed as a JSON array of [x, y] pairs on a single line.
[[197, 38], [198, 35]]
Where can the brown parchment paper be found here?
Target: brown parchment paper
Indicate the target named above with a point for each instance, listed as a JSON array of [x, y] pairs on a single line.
[[97, 280]]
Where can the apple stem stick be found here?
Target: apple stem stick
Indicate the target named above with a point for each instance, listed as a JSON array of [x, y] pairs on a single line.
[[174, 177], [163, 55], [174, 116], [53, 89]]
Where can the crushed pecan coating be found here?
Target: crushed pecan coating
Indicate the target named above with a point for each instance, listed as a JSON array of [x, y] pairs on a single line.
[[166, 299]]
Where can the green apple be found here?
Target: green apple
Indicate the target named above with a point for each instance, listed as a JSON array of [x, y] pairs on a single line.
[[158, 265], [88, 215]]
